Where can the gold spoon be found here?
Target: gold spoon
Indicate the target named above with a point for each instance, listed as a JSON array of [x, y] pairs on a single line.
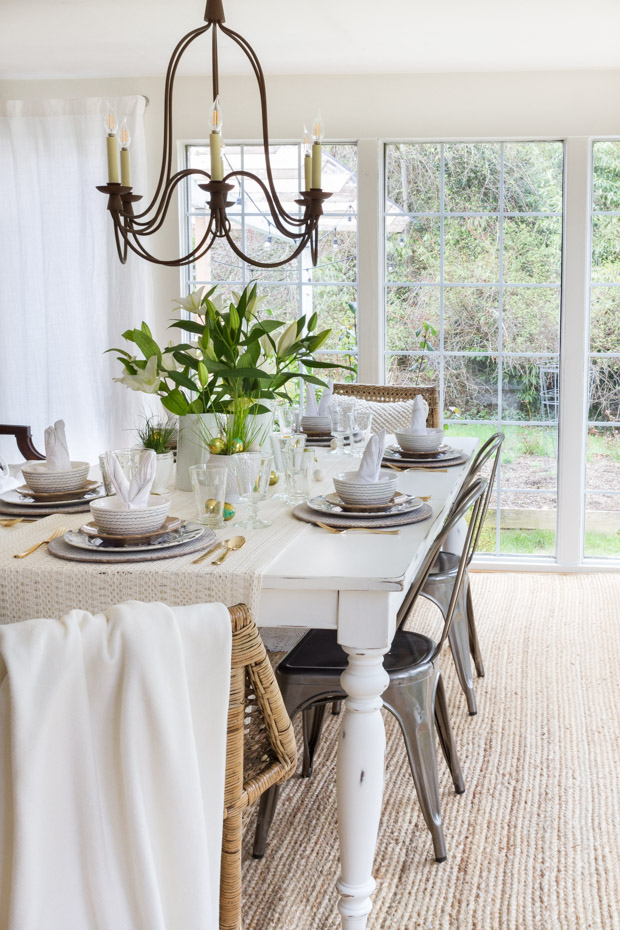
[[210, 551], [357, 529], [59, 531], [235, 542]]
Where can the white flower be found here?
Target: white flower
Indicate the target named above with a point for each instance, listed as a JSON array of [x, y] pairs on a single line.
[[218, 301], [266, 345], [146, 380], [191, 303], [168, 361], [287, 338]]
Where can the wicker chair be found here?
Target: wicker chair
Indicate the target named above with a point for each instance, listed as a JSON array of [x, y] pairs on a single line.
[[23, 437], [387, 393], [259, 753]]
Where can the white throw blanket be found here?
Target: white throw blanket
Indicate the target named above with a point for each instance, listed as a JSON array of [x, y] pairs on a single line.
[[135, 493], [419, 415], [57, 456], [370, 466], [112, 768]]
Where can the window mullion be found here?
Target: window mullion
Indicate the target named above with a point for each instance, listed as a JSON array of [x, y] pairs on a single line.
[[371, 273]]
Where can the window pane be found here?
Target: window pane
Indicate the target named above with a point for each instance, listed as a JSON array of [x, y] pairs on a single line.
[[410, 309], [412, 370], [529, 457], [530, 388], [471, 249], [605, 389], [472, 175], [470, 386], [413, 178], [533, 177], [603, 458], [602, 526], [532, 250], [337, 310], [220, 263], [606, 249], [531, 319], [281, 302], [528, 523], [413, 250], [337, 251], [471, 317], [606, 162], [337, 373], [605, 319]]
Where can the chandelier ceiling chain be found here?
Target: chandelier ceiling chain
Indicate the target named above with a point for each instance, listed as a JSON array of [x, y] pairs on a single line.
[[131, 227]]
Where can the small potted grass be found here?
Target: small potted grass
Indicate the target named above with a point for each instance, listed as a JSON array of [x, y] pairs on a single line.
[[156, 434]]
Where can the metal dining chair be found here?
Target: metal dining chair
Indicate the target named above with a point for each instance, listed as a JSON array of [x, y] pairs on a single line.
[[443, 580], [309, 679]]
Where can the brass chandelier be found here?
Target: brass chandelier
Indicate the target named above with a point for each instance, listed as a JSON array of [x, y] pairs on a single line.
[[132, 229]]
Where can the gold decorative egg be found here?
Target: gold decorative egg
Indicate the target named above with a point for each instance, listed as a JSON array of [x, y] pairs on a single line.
[[229, 511], [273, 478], [236, 446], [217, 446], [211, 505]]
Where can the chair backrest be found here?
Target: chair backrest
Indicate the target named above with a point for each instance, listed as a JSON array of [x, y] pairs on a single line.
[[470, 495], [23, 437], [389, 394], [491, 449]]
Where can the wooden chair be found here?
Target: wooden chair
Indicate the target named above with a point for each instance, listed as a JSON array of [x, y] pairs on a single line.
[[387, 393], [23, 437], [259, 754]]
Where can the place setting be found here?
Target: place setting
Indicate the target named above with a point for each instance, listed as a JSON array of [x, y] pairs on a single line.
[[365, 500], [422, 447], [55, 485], [132, 525]]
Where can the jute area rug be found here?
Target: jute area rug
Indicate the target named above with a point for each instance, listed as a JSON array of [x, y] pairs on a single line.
[[534, 843]]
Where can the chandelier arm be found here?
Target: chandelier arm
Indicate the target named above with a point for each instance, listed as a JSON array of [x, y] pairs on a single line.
[[187, 259], [150, 227], [251, 55], [302, 245], [274, 214], [173, 64], [120, 248]]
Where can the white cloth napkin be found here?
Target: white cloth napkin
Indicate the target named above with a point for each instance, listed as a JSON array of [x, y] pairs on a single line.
[[419, 415], [134, 493], [370, 466], [322, 408], [57, 456], [112, 768]]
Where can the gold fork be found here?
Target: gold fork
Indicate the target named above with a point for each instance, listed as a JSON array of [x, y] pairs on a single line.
[[16, 520], [357, 529], [59, 531]]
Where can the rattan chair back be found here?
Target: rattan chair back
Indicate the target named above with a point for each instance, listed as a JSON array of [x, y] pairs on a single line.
[[388, 393]]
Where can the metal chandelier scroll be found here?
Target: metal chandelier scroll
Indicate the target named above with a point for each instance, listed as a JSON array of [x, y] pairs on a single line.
[[132, 229]]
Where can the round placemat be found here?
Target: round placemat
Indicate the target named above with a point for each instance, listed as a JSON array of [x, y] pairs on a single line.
[[62, 550], [305, 513], [26, 510], [426, 463]]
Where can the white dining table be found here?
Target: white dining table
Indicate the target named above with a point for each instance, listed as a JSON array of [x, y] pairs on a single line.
[[354, 583]]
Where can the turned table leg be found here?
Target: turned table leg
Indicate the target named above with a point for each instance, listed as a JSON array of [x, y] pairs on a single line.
[[360, 773]]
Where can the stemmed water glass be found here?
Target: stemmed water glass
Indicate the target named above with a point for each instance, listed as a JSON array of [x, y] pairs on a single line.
[[339, 416], [253, 471], [360, 422]]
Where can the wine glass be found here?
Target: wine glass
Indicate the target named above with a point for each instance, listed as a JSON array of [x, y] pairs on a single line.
[[339, 416]]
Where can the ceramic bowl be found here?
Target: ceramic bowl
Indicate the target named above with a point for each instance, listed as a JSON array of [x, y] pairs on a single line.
[[316, 424], [353, 491], [420, 442], [37, 477], [111, 517]]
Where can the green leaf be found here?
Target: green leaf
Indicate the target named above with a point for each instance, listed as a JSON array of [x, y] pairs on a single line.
[[189, 326], [176, 402], [203, 374], [144, 341], [188, 360], [317, 341], [182, 380]]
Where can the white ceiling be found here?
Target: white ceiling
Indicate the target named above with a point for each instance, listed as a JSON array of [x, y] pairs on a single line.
[[95, 38]]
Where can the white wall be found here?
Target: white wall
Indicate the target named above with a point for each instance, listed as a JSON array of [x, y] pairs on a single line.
[[421, 106]]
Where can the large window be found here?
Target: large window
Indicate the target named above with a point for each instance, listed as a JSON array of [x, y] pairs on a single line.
[[473, 253], [295, 288], [602, 523]]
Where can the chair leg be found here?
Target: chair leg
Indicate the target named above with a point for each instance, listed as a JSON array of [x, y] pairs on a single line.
[[474, 645], [412, 703], [266, 812], [312, 719], [446, 738], [230, 879], [459, 644], [336, 708]]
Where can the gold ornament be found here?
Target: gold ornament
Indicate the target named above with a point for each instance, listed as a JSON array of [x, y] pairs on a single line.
[[212, 506], [229, 511], [236, 446], [273, 478], [217, 446]]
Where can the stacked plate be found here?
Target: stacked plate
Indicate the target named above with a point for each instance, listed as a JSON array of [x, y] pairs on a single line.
[[331, 510], [26, 502], [444, 457], [324, 439], [90, 544]]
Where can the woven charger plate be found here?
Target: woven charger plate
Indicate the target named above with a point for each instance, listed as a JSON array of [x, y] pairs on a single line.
[[62, 550], [305, 513], [27, 510], [426, 463]]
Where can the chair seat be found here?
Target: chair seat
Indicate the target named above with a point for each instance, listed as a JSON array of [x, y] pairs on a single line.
[[319, 653], [446, 565]]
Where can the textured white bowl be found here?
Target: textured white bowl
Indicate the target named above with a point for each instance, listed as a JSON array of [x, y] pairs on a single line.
[[422, 442], [110, 517], [317, 424], [352, 491], [37, 477]]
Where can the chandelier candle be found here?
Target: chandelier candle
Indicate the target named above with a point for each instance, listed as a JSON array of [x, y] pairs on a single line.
[[110, 127], [125, 140], [133, 230]]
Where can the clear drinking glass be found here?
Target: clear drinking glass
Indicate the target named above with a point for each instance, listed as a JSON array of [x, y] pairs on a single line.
[[278, 444], [298, 464], [339, 416], [288, 420], [253, 470], [360, 422], [127, 461], [209, 484]]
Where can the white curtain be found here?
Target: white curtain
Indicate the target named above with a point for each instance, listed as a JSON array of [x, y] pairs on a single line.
[[64, 296]]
